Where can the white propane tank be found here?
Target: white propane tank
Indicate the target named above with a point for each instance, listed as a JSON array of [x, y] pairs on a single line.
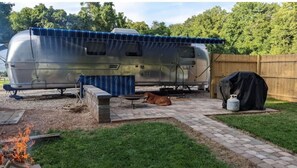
[[233, 103]]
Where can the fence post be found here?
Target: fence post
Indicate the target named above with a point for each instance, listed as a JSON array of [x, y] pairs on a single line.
[[212, 82], [258, 64]]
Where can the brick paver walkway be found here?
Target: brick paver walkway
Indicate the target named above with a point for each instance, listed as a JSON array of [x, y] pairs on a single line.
[[193, 112]]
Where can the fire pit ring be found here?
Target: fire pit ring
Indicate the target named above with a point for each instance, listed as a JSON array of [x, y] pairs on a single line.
[[132, 98]]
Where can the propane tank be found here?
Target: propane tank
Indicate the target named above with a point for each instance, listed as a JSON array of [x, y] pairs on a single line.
[[233, 103]]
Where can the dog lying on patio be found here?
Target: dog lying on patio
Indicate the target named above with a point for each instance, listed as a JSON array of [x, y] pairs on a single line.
[[156, 99]]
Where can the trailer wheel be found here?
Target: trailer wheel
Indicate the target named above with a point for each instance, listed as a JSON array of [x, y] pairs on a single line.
[[14, 92], [188, 87], [61, 90], [183, 86]]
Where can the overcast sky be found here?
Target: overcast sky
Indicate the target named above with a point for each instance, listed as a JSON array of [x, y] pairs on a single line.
[[168, 12]]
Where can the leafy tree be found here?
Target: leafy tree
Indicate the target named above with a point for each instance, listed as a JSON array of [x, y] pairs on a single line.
[[73, 22], [247, 28], [141, 27], [39, 16], [121, 20], [58, 17], [283, 37], [108, 16], [84, 16], [207, 24], [159, 28], [6, 30], [21, 20], [4, 74], [97, 17], [177, 29]]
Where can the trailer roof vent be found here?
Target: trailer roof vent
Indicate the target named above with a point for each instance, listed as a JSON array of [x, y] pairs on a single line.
[[124, 31]]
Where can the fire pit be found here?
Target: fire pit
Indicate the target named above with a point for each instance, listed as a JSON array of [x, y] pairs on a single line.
[[14, 154], [132, 98]]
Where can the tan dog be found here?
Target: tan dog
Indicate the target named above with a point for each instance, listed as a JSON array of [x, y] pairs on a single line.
[[156, 99]]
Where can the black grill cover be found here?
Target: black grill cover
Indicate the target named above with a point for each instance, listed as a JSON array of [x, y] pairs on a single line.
[[249, 87]]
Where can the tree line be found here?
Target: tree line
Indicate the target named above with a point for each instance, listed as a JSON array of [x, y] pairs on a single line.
[[253, 28]]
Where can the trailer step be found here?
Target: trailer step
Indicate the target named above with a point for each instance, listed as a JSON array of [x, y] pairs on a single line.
[[13, 92]]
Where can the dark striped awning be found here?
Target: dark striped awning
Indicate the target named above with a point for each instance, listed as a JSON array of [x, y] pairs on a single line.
[[115, 85], [122, 37]]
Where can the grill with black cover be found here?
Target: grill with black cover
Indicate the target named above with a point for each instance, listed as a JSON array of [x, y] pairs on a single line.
[[250, 88]]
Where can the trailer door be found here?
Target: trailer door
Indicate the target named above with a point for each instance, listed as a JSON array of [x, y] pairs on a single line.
[[168, 62], [187, 65]]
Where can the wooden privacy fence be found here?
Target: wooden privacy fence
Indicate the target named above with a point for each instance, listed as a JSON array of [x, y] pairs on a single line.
[[279, 72]]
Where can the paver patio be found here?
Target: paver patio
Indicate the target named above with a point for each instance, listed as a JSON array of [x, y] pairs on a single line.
[[193, 112]]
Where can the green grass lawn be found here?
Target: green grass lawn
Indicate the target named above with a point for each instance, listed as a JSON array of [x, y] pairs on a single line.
[[3, 82], [132, 145], [278, 128]]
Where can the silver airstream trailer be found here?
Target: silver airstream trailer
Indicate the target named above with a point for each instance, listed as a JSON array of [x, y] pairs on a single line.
[[41, 58]]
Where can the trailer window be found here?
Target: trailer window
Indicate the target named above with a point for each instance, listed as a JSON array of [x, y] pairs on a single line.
[[96, 48], [186, 52], [133, 49]]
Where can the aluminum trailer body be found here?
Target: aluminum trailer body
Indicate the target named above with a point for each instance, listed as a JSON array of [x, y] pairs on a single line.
[[41, 58]]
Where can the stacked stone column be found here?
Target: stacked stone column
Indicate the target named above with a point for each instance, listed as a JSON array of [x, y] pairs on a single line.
[[98, 102]]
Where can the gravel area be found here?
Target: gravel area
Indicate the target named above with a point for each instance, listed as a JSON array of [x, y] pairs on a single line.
[[46, 110]]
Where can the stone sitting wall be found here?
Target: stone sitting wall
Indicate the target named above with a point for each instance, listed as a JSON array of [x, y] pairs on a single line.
[[98, 102]]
